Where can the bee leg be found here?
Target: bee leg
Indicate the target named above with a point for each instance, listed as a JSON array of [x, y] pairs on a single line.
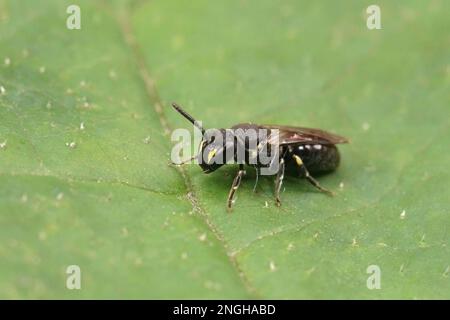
[[257, 178], [279, 182], [184, 161], [308, 177], [235, 186], [316, 184]]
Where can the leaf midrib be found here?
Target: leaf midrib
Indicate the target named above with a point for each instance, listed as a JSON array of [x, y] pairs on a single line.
[[152, 94]]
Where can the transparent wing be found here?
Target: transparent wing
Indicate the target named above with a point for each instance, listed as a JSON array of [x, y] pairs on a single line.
[[300, 135]]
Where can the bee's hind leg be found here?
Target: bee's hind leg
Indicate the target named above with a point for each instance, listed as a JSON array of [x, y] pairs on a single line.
[[310, 178]]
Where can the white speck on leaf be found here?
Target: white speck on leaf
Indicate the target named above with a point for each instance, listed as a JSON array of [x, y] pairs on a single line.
[[41, 69], [354, 242], [3, 144], [403, 215], [82, 83], [365, 126], [272, 266], [7, 61], [310, 271], [2, 91], [112, 74], [82, 126], [71, 145], [446, 272], [202, 237], [146, 140], [49, 105], [422, 242], [341, 185], [266, 204], [59, 196], [184, 256], [24, 198], [290, 246]]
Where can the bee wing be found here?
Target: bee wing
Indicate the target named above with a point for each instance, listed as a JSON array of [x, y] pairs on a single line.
[[300, 135]]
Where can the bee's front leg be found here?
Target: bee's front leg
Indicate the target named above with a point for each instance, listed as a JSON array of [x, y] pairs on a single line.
[[279, 182], [235, 186]]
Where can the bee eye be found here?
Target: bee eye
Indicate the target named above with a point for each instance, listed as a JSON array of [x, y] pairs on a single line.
[[211, 140]]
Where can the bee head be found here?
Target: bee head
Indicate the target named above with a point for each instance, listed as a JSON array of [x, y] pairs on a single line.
[[216, 147]]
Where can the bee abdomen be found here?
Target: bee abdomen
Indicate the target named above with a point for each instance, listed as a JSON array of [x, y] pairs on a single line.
[[318, 157]]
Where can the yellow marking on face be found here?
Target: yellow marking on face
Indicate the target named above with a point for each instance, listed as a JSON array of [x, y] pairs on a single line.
[[211, 154], [298, 160]]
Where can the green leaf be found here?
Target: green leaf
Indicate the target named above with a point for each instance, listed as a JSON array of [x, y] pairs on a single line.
[[85, 144]]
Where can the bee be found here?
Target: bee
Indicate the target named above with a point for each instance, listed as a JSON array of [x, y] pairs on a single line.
[[310, 151]]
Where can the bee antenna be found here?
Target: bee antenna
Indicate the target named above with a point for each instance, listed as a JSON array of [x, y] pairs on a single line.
[[188, 116]]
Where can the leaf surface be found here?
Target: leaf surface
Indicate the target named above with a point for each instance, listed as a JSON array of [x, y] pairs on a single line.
[[85, 135]]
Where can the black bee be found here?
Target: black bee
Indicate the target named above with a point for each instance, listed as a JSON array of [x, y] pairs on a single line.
[[309, 150]]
